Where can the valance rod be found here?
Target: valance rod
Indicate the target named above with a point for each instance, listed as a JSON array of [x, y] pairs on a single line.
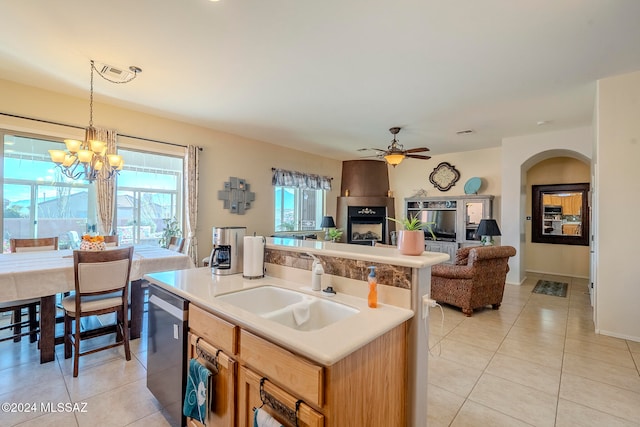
[[81, 127]]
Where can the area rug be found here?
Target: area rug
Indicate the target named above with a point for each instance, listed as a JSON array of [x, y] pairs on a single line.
[[546, 287]]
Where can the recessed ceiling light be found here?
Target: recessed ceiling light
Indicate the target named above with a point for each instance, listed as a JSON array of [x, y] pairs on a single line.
[[543, 122]]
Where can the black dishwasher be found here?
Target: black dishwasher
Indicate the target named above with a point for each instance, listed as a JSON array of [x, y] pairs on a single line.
[[166, 352]]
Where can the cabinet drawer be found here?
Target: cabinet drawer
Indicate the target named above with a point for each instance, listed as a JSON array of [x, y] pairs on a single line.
[[250, 399], [214, 330], [301, 377]]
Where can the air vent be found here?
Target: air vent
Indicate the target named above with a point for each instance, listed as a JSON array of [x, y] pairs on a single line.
[[114, 73], [465, 132]]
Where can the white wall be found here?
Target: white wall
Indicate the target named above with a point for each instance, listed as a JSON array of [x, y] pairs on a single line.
[[617, 180], [224, 155], [518, 155], [413, 175]]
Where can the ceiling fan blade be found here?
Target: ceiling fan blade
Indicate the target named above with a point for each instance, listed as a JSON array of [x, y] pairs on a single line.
[[417, 150], [418, 156]]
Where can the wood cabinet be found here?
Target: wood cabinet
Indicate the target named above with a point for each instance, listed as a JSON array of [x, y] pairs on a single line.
[[256, 391], [449, 248], [367, 387], [224, 371]]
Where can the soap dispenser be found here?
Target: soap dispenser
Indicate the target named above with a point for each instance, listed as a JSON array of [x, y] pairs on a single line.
[[316, 276], [373, 288]]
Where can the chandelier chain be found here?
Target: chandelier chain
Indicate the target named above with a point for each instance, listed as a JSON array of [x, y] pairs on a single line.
[[91, 97]]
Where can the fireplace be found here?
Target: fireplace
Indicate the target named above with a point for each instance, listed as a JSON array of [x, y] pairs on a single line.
[[366, 224]]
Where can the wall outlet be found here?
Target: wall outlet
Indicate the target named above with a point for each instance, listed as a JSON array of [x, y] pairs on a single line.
[[426, 303]]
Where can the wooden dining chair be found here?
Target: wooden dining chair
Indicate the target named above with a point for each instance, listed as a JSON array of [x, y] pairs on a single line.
[[102, 286], [16, 307], [176, 244], [32, 245], [111, 240]]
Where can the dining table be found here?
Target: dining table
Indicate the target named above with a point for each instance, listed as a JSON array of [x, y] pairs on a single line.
[[44, 274]]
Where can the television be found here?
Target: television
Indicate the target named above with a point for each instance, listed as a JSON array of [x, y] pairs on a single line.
[[442, 223]]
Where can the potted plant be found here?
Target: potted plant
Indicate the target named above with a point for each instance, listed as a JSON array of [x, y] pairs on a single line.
[[171, 228], [411, 237], [335, 234]]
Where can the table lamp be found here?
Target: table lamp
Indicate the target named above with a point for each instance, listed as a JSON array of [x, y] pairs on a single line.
[[327, 223], [487, 229]]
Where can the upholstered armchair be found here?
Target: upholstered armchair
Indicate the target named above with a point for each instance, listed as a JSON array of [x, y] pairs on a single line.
[[476, 280]]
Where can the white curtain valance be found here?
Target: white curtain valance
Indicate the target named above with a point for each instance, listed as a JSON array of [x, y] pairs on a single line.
[[285, 178]]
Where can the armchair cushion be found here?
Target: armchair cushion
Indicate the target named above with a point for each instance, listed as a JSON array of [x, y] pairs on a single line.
[[478, 283]]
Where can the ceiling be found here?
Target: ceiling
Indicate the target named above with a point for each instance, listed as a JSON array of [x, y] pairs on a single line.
[[332, 76]]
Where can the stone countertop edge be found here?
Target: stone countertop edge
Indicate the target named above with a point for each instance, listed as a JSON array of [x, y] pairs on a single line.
[[325, 346], [358, 252]]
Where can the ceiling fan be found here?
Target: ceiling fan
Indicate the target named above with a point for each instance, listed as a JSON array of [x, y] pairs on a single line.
[[395, 152]]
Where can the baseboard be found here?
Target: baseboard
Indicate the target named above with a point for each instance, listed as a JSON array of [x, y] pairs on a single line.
[[549, 273], [615, 335]]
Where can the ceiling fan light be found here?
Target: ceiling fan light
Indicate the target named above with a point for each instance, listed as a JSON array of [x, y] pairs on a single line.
[[394, 158]]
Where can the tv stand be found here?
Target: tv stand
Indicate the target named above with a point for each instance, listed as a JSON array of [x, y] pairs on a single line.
[[470, 209]]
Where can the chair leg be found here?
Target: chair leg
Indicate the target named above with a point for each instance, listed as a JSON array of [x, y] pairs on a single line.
[[76, 348], [67, 336], [125, 334], [16, 319], [495, 306], [467, 311], [33, 324]]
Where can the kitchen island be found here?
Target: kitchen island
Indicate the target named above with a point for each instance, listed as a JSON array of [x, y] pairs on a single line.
[[363, 359]]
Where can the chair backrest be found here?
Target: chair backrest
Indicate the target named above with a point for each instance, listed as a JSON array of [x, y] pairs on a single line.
[[491, 263], [111, 240], [32, 245], [100, 272], [176, 244]]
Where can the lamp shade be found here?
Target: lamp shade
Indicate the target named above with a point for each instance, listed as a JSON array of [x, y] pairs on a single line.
[[327, 222], [488, 227]]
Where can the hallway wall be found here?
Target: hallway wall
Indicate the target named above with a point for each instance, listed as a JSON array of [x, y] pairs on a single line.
[[565, 260]]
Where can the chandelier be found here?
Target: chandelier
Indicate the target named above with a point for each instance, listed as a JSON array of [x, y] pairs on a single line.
[[89, 159]]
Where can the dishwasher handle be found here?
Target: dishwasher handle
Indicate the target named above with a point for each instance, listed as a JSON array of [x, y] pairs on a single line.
[[171, 309]]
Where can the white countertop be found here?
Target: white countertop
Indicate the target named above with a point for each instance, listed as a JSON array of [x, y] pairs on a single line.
[[358, 252], [325, 346]]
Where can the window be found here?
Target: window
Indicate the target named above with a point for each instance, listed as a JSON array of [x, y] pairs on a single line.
[[149, 191], [299, 200], [38, 201], [298, 209]]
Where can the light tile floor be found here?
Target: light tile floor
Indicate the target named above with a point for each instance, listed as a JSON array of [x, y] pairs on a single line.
[[536, 361]]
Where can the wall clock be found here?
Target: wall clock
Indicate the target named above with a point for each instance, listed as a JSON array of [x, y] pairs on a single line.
[[444, 176]]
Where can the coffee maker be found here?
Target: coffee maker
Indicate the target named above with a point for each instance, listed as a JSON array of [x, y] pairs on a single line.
[[226, 256]]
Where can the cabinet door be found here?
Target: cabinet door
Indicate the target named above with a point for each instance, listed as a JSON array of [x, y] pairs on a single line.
[[250, 399], [222, 413]]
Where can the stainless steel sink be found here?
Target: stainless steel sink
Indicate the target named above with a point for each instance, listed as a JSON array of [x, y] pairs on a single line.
[[293, 309]]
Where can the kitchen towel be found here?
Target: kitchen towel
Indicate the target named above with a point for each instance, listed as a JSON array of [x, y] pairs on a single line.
[[253, 257], [198, 391], [262, 419]]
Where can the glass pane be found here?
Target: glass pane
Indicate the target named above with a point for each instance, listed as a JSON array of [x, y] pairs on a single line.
[[149, 192], [562, 214], [38, 200]]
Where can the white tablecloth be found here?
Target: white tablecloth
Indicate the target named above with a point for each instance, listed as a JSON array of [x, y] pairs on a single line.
[[35, 274]]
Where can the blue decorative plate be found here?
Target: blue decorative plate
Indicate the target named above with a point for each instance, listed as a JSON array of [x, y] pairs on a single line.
[[472, 185]]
